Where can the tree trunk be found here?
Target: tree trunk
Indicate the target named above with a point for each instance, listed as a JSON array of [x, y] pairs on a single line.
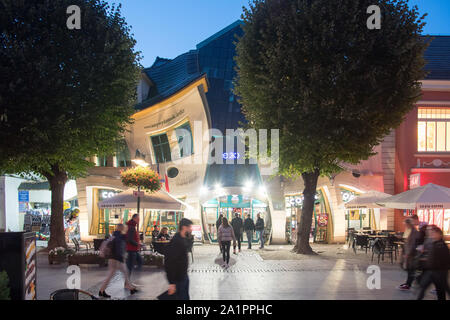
[[304, 228], [57, 180]]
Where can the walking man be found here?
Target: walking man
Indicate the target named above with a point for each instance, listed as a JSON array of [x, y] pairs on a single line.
[[176, 261], [237, 224], [436, 264], [260, 230], [409, 252], [249, 227], [116, 262], [133, 244]]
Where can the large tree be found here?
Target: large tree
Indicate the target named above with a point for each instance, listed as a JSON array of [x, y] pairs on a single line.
[[334, 87], [65, 94]]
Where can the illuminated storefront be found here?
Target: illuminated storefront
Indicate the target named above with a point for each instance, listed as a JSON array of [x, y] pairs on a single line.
[[229, 206], [320, 231]]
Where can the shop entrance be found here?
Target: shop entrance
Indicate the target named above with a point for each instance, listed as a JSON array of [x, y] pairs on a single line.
[[319, 225], [228, 206]]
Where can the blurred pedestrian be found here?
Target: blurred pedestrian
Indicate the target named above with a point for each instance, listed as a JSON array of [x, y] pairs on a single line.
[[436, 265], [176, 261], [133, 244], [249, 228], [260, 230], [225, 235], [218, 223], [237, 225], [116, 262], [409, 252]]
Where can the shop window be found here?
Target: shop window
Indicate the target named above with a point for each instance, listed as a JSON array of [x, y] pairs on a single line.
[[123, 155], [185, 141], [161, 148], [433, 130]]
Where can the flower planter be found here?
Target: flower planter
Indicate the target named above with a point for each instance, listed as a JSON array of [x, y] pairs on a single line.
[[154, 260], [90, 258]]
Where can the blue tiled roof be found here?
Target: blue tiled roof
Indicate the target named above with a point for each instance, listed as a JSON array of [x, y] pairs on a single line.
[[219, 33], [437, 56], [170, 76]]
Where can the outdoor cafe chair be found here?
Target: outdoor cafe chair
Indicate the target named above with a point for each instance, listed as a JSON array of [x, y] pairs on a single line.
[[381, 248], [70, 294], [362, 241]]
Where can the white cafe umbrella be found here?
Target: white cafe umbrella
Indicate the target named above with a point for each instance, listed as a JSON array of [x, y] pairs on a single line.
[[159, 200], [429, 196], [367, 200]]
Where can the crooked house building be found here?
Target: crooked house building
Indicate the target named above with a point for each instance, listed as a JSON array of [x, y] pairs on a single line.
[[182, 98]]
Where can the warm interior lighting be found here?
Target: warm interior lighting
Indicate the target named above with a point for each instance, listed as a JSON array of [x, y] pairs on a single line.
[[140, 162]]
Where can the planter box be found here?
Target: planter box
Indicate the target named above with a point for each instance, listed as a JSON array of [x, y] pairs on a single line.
[[151, 260], [56, 259], [92, 258]]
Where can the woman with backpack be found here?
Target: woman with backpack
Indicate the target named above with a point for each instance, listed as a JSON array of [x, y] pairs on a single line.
[[225, 235], [116, 260]]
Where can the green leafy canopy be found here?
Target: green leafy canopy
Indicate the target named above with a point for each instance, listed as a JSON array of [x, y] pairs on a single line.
[[65, 95], [334, 88]]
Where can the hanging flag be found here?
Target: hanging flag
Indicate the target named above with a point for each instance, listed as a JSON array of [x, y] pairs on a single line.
[[166, 182]]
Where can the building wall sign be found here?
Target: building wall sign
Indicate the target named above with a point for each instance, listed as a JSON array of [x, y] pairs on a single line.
[[231, 155], [166, 121], [104, 194], [347, 195], [24, 196], [414, 180]]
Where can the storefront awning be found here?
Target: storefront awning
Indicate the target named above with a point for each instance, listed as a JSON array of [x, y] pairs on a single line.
[[429, 196], [159, 200], [367, 200]]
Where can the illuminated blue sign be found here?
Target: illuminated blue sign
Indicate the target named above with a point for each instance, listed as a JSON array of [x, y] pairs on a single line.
[[231, 155]]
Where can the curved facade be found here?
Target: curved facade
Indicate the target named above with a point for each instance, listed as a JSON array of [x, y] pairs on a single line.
[[182, 99]]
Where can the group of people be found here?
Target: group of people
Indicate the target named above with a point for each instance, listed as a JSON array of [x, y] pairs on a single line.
[[425, 257], [125, 256], [227, 232], [158, 235], [124, 239]]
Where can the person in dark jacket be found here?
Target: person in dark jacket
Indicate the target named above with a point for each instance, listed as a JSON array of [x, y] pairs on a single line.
[[260, 230], [176, 261], [410, 252], [155, 232], [249, 228], [436, 265], [133, 244], [237, 225], [164, 234], [116, 262], [218, 223], [225, 236]]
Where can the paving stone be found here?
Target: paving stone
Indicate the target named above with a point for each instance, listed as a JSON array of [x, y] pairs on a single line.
[[249, 277]]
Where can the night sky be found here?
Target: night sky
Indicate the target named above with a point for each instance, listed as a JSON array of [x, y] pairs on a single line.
[[171, 27]]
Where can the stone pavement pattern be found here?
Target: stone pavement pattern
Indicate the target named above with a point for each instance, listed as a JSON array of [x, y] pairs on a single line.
[[250, 277]]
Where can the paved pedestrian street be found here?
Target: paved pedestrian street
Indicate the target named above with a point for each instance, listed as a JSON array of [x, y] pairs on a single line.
[[249, 277]]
